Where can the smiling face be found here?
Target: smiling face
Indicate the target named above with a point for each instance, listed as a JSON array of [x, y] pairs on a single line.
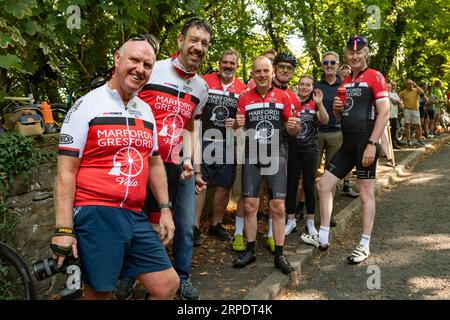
[[262, 73], [133, 66], [284, 71], [227, 67], [330, 65], [305, 87], [193, 47], [357, 59]]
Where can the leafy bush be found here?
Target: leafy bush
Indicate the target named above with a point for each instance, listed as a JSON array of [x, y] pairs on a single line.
[[17, 157]]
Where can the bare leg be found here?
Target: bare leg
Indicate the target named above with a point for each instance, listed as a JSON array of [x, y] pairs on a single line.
[[325, 188], [220, 203], [90, 294], [250, 224], [199, 205], [161, 285], [277, 210], [367, 196]]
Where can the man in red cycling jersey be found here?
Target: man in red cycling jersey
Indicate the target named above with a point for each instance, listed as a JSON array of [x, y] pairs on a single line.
[[177, 95], [218, 161], [108, 146], [363, 118], [266, 112]]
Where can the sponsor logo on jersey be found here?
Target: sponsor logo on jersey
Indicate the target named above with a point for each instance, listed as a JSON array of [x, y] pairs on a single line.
[[171, 85], [65, 139], [135, 113]]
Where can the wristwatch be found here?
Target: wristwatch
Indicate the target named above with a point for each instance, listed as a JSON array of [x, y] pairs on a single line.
[[372, 143], [166, 205]]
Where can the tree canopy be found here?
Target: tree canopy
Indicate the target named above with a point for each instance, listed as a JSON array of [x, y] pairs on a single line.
[[76, 39]]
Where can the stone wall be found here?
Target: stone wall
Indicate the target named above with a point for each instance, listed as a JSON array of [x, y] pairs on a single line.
[[33, 201]]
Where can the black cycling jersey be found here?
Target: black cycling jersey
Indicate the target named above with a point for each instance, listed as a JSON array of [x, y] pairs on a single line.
[[307, 138], [362, 92]]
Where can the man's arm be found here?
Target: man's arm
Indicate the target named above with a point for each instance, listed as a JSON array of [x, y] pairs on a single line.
[[381, 120], [158, 185], [67, 169]]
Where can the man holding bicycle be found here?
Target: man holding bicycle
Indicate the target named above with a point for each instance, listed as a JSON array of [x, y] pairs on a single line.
[[108, 145]]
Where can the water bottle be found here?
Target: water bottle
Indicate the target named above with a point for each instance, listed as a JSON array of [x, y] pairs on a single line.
[[46, 110]]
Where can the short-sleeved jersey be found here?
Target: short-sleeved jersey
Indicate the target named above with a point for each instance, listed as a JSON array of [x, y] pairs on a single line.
[[264, 121], [221, 104], [307, 138], [174, 100], [114, 142], [360, 107]]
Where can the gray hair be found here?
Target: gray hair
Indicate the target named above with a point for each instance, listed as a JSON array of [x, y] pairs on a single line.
[[332, 53], [230, 52]]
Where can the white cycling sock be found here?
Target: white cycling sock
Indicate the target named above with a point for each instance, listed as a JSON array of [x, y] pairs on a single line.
[[365, 240], [239, 226], [270, 233], [324, 234], [311, 227]]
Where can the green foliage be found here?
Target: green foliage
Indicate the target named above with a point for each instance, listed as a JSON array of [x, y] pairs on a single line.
[[17, 157], [412, 39]]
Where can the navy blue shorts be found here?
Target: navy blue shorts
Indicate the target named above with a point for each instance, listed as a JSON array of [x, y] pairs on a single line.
[[116, 243], [222, 173]]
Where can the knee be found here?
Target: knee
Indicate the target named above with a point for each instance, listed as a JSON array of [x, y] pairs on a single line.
[[366, 196], [322, 187], [277, 208], [167, 288], [250, 207]]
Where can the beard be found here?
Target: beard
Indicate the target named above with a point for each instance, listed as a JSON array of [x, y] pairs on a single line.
[[227, 74]]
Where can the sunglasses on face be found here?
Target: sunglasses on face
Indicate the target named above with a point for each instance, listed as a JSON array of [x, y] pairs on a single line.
[[282, 67], [327, 62], [148, 38]]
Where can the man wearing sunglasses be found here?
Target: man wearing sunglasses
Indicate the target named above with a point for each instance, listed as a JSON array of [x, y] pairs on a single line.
[[177, 96], [108, 148], [330, 135], [364, 115]]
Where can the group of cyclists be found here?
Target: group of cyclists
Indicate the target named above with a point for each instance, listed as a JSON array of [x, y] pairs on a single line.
[[144, 147]]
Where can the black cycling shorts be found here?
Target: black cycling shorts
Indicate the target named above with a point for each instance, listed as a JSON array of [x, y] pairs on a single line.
[[252, 175], [350, 155]]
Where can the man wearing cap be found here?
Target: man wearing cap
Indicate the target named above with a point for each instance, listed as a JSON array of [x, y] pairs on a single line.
[[363, 118]]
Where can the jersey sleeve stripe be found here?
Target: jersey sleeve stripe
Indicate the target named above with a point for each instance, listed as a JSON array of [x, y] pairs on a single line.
[[195, 100], [71, 152]]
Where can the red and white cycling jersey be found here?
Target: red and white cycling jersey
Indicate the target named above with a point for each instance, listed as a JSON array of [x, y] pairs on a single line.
[[174, 100], [221, 105], [359, 111], [265, 118], [114, 142]]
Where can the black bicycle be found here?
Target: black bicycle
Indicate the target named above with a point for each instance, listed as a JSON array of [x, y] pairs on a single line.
[[15, 279]]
